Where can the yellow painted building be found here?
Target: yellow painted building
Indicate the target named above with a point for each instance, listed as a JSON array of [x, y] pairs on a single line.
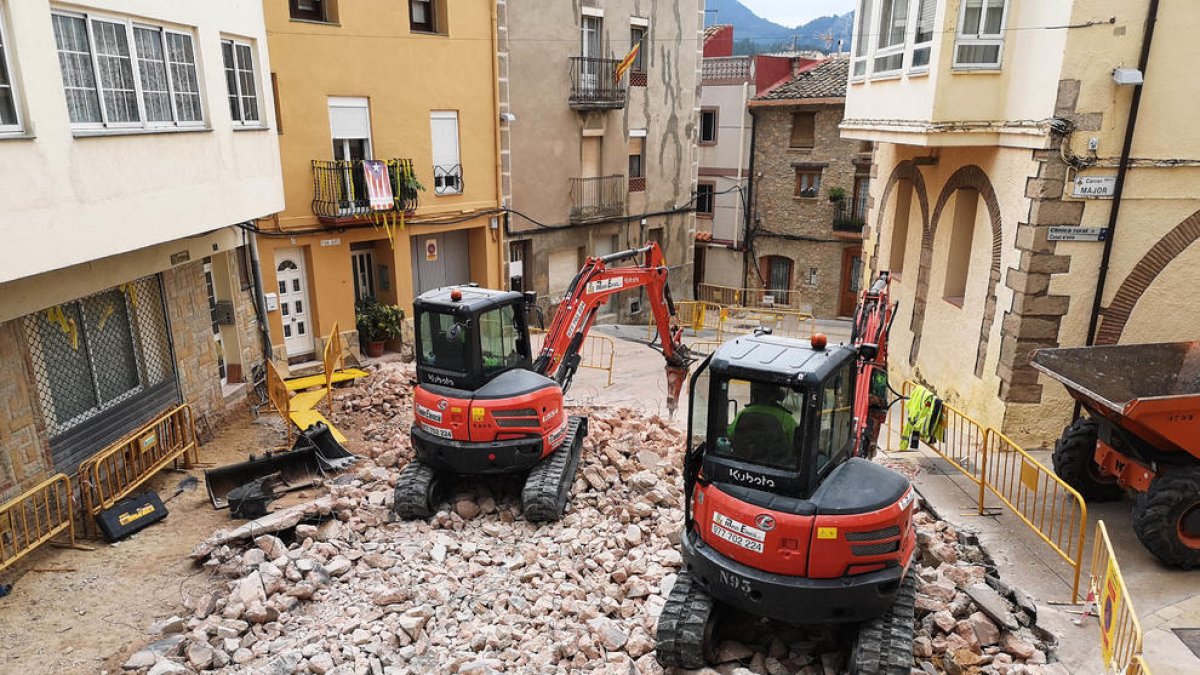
[[412, 84], [999, 129]]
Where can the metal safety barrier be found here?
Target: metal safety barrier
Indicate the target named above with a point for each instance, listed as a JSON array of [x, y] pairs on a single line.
[[1138, 666], [694, 315], [35, 517], [1120, 630], [733, 296], [115, 472], [597, 352], [1050, 507], [782, 322], [1055, 512]]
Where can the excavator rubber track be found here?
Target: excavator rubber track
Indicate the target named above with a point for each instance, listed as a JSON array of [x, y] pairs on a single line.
[[544, 497], [685, 626], [883, 645], [418, 491]]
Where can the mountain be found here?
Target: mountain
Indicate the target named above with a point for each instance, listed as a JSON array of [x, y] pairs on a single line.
[[754, 34]]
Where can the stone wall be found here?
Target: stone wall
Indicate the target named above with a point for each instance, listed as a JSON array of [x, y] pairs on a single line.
[[801, 228], [24, 455], [191, 333]]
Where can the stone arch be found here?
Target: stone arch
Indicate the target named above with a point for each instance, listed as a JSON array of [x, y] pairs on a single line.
[[905, 170], [1116, 315], [966, 177]]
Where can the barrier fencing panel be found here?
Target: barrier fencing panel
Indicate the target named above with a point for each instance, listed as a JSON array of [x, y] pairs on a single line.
[[1047, 505], [109, 476], [35, 517], [784, 323], [332, 360], [1050, 507], [1120, 630], [1138, 667], [731, 296], [597, 352]]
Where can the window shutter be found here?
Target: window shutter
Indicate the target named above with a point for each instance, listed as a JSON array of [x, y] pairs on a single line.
[[803, 130], [349, 118], [444, 134]]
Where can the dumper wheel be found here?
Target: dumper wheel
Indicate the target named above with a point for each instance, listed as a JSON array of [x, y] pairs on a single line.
[[1075, 463], [418, 491], [1166, 517], [684, 638]]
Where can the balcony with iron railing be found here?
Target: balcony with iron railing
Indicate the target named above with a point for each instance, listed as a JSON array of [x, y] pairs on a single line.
[[850, 215], [340, 188], [594, 84], [597, 198]]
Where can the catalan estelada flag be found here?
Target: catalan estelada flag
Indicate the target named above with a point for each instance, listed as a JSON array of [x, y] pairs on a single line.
[[626, 63]]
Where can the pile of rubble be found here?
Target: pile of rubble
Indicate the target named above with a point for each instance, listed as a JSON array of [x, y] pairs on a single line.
[[341, 587]]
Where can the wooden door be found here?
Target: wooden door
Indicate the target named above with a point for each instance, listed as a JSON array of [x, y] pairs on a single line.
[[851, 280]]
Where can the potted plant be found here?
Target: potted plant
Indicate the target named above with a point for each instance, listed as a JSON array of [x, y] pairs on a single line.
[[837, 194], [377, 323]]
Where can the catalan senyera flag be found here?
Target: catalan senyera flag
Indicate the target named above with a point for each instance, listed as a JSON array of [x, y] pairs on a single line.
[[626, 63]]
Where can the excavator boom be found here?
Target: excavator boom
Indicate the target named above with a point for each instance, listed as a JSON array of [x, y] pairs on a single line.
[[591, 289], [869, 336]]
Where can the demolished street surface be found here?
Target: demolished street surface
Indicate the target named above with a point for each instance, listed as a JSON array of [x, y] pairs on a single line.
[[478, 589]]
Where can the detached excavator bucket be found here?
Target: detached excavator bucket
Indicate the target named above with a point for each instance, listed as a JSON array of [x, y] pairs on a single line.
[[676, 376], [315, 454]]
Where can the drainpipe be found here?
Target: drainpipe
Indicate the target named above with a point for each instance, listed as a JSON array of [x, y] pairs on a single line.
[[741, 202], [500, 201], [1119, 189], [752, 203], [260, 301]]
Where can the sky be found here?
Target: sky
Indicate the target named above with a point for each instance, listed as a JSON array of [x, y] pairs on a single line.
[[796, 12]]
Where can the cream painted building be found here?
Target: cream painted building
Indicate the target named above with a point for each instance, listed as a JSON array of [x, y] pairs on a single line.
[[127, 163], [594, 163], [999, 129]]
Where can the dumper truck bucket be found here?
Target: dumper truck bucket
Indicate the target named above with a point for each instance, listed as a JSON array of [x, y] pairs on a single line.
[[315, 455]]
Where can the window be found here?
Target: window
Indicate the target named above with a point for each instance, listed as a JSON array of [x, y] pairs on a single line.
[[904, 192], [980, 38], [862, 38], [804, 125], [778, 272], [498, 333], [238, 58], [637, 160], [837, 425], [705, 199], [708, 126], [443, 342], [637, 36], [447, 168], [893, 29], [808, 183], [211, 286], [350, 128], [923, 37], [308, 10], [10, 118], [958, 259], [763, 430], [122, 74], [423, 16]]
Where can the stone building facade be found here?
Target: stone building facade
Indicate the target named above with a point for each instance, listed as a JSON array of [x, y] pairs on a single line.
[[809, 194]]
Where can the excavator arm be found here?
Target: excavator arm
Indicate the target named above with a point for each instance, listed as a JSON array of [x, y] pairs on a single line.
[[591, 289], [869, 336]]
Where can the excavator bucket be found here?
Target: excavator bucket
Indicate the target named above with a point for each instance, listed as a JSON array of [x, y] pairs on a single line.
[[315, 455], [676, 376]]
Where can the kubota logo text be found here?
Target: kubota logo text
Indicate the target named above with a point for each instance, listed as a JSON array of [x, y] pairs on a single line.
[[751, 478]]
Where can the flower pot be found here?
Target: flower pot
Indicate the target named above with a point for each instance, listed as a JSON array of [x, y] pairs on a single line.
[[375, 347]]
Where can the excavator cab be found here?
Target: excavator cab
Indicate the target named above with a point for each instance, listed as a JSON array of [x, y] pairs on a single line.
[[467, 336]]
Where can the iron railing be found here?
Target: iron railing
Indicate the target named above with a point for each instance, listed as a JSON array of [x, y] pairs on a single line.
[[599, 197], [726, 68], [637, 183], [448, 180], [594, 83], [850, 215], [340, 188]]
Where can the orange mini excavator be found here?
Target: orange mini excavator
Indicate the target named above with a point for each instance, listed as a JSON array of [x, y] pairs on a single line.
[[785, 515], [484, 405]]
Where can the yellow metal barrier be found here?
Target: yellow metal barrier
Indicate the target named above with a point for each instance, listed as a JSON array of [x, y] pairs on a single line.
[[784, 323], [597, 352], [1138, 666], [1047, 505], [1120, 630], [35, 517], [747, 297], [115, 472], [1050, 507]]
